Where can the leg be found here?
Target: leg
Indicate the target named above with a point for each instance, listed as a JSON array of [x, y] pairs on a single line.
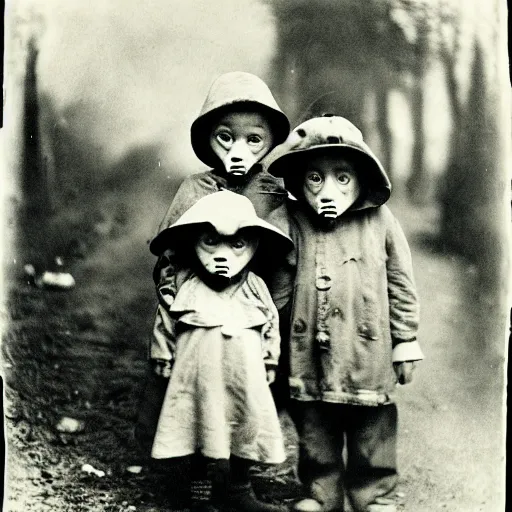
[[241, 495], [209, 483], [175, 475], [371, 450], [320, 469]]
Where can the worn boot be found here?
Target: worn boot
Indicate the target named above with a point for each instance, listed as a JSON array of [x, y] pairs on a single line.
[[210, 485], [308, 505], [241, 498], [382, 504]]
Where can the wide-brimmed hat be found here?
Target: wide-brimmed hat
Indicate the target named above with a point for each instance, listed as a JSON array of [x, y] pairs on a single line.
[[227, 213], [333, 135], [240, 90]]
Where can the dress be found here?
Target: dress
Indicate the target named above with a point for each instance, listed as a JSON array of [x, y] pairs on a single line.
[[218, 401]]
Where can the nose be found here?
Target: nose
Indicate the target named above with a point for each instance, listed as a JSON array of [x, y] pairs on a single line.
[[220, 259], [329, 189], [238, 152]]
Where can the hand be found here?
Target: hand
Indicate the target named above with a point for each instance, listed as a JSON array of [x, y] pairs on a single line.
[[404, 371], [271, 375], [162, 367]]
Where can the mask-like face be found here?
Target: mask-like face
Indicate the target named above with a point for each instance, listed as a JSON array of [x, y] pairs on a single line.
[[225, 255], [330, 185], [240, 139]]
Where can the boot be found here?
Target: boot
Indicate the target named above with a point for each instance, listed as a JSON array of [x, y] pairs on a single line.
[[210, 487], [201, 492], [382, 504], [308, 505], [241, 498]]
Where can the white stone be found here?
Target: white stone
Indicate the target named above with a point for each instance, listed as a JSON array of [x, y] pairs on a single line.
[[62, 280], [91, 470], [134, 469], [69, 425]]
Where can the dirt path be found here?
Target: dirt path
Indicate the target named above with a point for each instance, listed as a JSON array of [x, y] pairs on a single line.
[[81, 354]]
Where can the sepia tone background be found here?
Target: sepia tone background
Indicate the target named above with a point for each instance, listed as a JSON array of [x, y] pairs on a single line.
[[99, 98]]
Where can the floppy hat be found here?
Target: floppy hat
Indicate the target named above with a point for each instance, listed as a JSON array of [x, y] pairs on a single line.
[[235, 89], [227, 213], [333, 135]]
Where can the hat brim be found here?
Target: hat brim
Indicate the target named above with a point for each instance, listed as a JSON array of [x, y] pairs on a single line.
[[272, 240], [290, 167], [202, 127]]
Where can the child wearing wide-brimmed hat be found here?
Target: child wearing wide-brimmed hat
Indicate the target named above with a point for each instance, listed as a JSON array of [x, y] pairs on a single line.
[[353, 316], [225, 349]]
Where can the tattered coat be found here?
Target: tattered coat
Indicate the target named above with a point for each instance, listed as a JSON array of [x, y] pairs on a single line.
[[355, 283], [354, 306]]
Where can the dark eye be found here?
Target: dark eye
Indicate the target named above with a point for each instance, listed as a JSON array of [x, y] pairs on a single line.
[[315, 178], [210, 240], [239, 243], [344, 178], [224, 137], [254, 139]]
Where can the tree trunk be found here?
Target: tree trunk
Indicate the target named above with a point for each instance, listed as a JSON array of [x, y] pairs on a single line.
[[384, 131]]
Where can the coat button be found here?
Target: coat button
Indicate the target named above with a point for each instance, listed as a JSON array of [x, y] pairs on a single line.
[[323, 283], [299, 326]]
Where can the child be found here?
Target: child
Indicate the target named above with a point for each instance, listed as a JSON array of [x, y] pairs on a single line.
[[354, 315], [239, 124], [226, 347]]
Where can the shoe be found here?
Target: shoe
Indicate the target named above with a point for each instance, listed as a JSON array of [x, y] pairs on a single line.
[[201, 496], [241, 498], [382, 505], [307, 505]]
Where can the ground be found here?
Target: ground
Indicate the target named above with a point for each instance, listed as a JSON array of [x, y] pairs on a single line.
[[81, 354]]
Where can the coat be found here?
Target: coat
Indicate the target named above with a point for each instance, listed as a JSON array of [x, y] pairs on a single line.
[[354, 285], [218, 401], [354, 306]]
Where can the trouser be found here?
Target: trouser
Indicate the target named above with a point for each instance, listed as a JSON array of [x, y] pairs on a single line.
[[368, 436]]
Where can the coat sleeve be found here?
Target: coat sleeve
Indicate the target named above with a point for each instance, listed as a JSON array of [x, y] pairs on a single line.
[[163, 340], [282, 277], [403, 299], [271, 340], [266, 193]]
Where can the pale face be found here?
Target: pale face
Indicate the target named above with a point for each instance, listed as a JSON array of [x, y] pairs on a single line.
[[240, 139], [225, 255], [330, 185]]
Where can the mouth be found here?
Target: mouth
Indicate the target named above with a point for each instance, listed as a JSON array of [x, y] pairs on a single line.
[[329, 212], [222, 270], [237, 170]]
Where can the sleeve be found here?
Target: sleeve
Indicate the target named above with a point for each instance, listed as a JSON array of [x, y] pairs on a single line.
[[271, 340], [403, 299], [266, 193], [163, 340], [282, 277]]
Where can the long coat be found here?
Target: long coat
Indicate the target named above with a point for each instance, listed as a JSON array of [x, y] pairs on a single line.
[[354, 307], [218, 400]]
